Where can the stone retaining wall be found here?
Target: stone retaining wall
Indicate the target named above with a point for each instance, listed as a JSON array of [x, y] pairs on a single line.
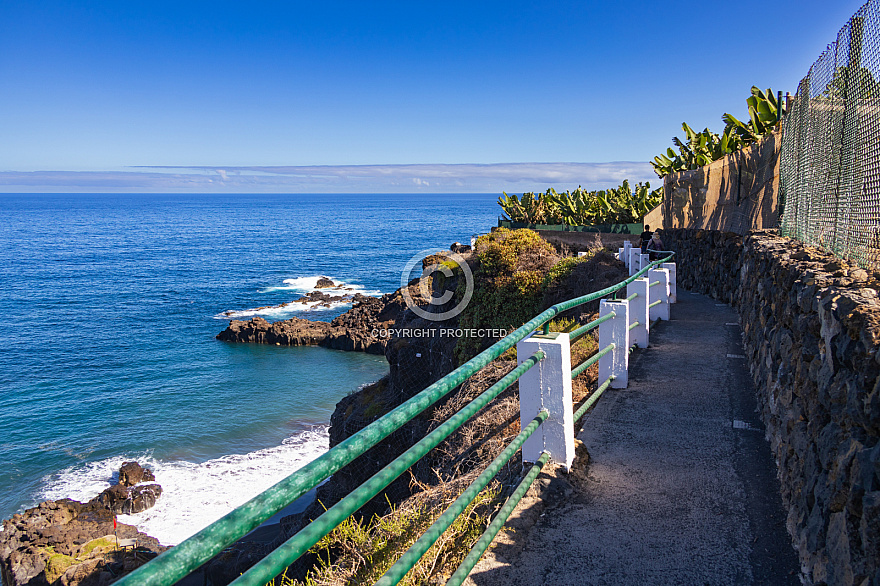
[[811, 328]]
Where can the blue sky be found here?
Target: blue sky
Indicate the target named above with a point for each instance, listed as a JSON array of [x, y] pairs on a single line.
[[93, 93]]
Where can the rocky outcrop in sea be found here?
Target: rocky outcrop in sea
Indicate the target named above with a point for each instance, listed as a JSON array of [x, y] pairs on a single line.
[[69, 543], [355, 330]]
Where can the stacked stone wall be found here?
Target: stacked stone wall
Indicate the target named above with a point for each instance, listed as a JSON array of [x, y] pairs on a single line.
[[811, 328]]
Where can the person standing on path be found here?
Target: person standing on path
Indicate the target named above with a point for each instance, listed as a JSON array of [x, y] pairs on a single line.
[[645, 238]]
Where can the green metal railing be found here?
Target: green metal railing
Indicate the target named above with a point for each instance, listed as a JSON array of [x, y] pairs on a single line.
[[591, 400], [582, 331], [591, 360], [189, 555], [497, 523], [418, 549]]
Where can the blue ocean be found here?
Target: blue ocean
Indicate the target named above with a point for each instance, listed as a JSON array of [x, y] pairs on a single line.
[[110, 305]]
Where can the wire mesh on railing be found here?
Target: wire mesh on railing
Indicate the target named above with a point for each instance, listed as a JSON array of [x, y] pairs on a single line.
[[830, 168]]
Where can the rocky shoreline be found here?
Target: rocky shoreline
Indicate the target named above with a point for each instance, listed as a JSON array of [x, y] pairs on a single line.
[[354, 330], [70, 543], [414, 363]]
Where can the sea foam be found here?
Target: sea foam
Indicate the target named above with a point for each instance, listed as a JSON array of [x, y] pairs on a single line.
[[300, 285], [194, 495]]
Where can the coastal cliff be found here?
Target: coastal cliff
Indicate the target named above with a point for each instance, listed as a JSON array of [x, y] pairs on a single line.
[[516, 274]]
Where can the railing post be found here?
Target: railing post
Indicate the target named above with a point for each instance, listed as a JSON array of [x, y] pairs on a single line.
[[638, 312], [547, 386], [634, 260], [623, 253], [644, 260], [659, 293], [673, 291], [614, 331]]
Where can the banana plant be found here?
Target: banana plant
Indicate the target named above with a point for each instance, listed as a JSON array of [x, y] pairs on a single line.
[[763, 117], [620, 205], [511, 207], [701, 148]]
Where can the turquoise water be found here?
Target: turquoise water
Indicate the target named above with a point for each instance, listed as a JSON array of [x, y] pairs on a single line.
[[111, 304]]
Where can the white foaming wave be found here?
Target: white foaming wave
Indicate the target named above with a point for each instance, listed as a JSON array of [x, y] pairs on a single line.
[[303, 285], [193, 495], [308, 284], [280, 311]]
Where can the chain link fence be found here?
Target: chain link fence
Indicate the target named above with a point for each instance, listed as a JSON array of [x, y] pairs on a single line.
[[830, 168]]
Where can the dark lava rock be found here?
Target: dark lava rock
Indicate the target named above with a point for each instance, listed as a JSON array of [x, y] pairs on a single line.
[[363, 328], [67, 542], [128, 500], [132, 473], [291, 332], [324, 283]]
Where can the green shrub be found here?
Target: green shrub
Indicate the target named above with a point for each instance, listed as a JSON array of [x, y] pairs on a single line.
[[509, 284]]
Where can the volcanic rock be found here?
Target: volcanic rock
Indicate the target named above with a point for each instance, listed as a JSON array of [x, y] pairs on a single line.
[[291, 332], [132, 473], [324, 283], [128, 500], [67, 542], [363, 328]]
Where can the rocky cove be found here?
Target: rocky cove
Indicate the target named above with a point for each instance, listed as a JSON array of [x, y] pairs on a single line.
[[415, 361]]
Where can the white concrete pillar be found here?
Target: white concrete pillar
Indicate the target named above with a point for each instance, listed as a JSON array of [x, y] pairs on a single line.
[[547, 385], [614, 331], [627, 246], [622, 255], [634, 260], [644, 260], [660, 293], [638, 312], [673, 291]]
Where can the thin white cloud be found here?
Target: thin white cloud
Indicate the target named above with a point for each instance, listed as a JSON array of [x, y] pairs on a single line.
[[460, 178]]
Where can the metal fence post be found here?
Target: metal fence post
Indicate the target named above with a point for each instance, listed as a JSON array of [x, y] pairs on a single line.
[[614, 331], [638, 312], [659, 293], [673, 290], [547, 386]]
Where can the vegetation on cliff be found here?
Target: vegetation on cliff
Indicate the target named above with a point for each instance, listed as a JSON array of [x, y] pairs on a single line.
[[516, 275]]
